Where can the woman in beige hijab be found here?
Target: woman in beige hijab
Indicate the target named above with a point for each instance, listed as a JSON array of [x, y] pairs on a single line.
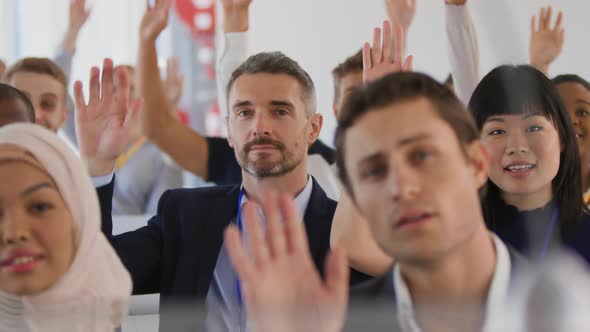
[[57, 270]]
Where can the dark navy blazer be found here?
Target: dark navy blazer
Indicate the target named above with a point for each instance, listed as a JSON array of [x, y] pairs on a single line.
[[176, 253]]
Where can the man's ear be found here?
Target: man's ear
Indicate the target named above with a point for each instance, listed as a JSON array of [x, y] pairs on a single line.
[[479, 159], [316, 126]]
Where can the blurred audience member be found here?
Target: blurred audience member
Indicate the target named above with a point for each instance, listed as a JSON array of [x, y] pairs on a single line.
[[575, 94], [77, 17], [143, 173], [45, 84], [14, 106]]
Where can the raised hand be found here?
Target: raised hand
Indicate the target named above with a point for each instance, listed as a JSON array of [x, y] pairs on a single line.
[[78, 14], [104, 125], [401, 12], [174, 81], [455, 2], [282, 289], [383, 58], [235, 15], [155, 19], [546, 43], [236, 3]]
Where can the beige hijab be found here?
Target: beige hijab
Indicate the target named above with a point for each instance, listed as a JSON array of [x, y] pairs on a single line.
[[93, 294]]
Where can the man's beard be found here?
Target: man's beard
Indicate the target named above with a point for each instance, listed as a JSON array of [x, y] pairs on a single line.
[[262, 167]]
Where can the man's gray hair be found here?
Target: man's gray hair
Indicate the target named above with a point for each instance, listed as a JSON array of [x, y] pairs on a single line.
[[278, 63]]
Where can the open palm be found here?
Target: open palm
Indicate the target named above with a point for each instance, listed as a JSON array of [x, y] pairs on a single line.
[[401, 12], [104, 124], [236, 3], [155, 19], [78, 14], [282, 289], [383, 58], [546, 42]]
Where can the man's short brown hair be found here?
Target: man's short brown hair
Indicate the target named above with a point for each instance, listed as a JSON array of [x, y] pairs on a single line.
[[43, 66], [351, 65]]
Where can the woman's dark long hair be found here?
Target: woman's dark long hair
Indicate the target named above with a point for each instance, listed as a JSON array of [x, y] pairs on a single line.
[[517, 90]]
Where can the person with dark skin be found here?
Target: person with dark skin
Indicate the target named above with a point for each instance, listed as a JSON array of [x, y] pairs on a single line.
[[14, 106]]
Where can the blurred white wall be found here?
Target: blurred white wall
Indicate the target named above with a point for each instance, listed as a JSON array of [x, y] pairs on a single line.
[[111, 31], [317, 33]]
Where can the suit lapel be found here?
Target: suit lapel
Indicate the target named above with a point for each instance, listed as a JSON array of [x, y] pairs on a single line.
[[318, 224], [317, 219], [219, 216]]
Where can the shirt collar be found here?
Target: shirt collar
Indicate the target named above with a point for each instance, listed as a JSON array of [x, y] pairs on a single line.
[[496, 294], [301, 201]]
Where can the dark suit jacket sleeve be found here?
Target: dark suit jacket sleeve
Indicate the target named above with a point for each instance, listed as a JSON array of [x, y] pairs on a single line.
[[318, 147], [222, 167], [105, 199], [139, 250]]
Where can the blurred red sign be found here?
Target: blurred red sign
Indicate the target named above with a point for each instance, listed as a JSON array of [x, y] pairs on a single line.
[[198, 15]]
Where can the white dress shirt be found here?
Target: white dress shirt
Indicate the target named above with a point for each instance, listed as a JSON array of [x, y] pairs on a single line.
[[495, 303]]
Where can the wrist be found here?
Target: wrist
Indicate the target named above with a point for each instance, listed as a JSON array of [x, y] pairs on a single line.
[[73, 30], [173, 104], [455, 2], [69, 41], [100, 167], [147, 40], [236, 20], [540, 66]]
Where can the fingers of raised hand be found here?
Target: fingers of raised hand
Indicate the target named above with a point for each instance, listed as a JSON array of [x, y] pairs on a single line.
[[79, 97], [376, 53], [367, 61], [257, 242], [387, 42], [399, 51], [107, 81], [122, 89], [94, 88], [296, 236], [558, 22], [241, 261], [275, 233], [408, 63], [163, 5]]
